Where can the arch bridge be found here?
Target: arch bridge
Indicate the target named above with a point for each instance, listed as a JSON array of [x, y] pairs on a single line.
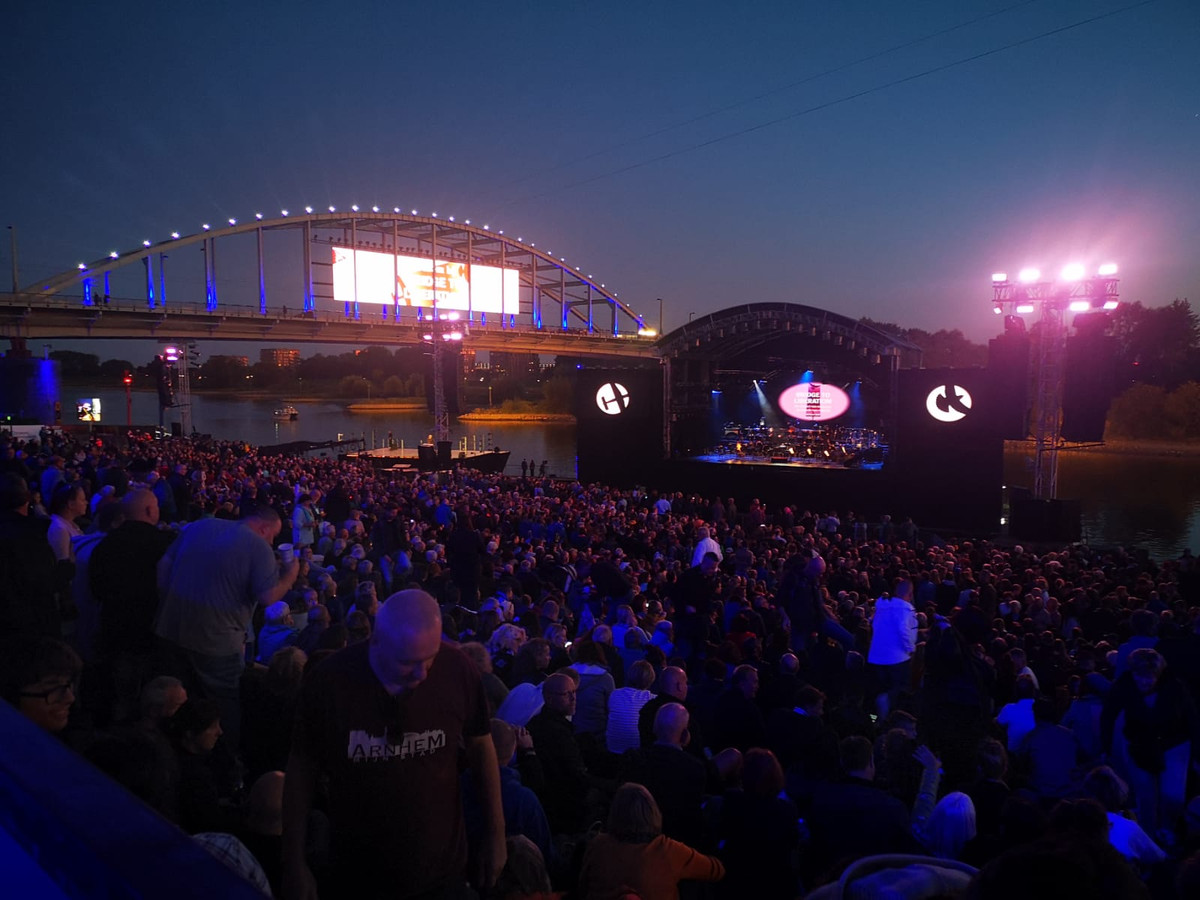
[[341, 277]]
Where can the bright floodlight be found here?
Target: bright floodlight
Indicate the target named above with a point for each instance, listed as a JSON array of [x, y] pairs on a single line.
[[206, 226], [258, 216], [646, 332], [1107, 269], [308, 209], [999, 277], [283, 212], [1072, 272], [175, 235], [1029, 275], [145, 243], [354, 207], [1079, 306], [1024, 308], [233, 221], [997, 309], [333, 209], [113, 254], [395, 209], [374, 209], [82, 266], [1111, 304]]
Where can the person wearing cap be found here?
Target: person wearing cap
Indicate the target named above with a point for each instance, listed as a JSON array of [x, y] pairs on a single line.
[[279, 630]]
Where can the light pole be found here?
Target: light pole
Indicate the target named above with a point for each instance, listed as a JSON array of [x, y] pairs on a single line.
[[127, 380], [489, 396]]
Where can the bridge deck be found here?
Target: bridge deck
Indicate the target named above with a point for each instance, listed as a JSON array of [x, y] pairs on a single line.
[[66, 318]]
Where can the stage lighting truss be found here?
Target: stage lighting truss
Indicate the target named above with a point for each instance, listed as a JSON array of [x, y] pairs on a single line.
[[1073, 292]]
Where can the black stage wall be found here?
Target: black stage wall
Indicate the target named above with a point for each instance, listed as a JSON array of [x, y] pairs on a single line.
[[619, 425]]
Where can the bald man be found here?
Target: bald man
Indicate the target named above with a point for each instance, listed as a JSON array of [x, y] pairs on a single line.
[[382, 722]]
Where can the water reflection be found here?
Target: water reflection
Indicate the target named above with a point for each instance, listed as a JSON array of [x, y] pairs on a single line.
[[1151, 501]]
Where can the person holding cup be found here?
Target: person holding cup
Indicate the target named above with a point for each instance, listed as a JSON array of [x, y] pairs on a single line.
[[211, 579]]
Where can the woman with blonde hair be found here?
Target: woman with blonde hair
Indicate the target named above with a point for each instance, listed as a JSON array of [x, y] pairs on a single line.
[[633, 856], [949, 826]]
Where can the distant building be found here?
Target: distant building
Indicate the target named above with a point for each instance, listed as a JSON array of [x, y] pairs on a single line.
[[243, 361], [515, 363], [281, 357]]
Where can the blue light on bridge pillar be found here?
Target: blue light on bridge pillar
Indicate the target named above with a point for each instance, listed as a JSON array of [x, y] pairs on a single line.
[[87, 293], [346, 311], [483, 318], [107, 287], [357, 312], [149, 281], [162, 280]]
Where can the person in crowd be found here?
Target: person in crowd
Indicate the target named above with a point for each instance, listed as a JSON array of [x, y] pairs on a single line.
[[950, 826], [760, 833], [632, 855], [29, 585], [893, 643], [1155, 718], [206, 609], [595, 688], [68, 503], [381, 724], [1108, 789], [203, 800], [567, 777], [495, 689], [1049, 754], [269, 698], [39, 676], [624, 705], [304, 520], [677, 779], [279, 630], [1017, 717], [738, 720]]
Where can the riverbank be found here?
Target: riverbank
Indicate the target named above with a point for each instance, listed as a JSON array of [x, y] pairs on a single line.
[[371, 406], [517, 418], [1117, 447]]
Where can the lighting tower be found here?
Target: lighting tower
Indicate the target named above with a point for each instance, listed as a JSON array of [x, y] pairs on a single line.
[[445, 328], [1073, 291]]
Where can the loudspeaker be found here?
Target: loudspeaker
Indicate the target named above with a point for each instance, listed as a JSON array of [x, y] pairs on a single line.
[[1043, 520], [443, 454], [1089, 383], [1008, 371]]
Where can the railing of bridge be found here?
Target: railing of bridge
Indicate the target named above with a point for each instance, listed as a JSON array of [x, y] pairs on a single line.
[[297, 315]]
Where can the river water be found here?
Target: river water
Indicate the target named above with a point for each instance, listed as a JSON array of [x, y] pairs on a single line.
[[1130, 499]]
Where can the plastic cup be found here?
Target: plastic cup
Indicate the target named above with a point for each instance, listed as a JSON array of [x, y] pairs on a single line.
[[286, 553]]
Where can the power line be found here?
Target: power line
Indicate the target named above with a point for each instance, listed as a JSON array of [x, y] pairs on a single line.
[[828, 104], [736, 104]]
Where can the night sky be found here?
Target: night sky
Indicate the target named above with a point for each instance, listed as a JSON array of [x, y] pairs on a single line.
[[706, 153]]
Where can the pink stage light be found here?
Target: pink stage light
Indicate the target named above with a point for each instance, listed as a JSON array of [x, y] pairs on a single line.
[[1111, 304], [997, 309], [1079, 306], [1107, 269], [1029, 275], [1024, 308], [1072, 272], [999, 277]]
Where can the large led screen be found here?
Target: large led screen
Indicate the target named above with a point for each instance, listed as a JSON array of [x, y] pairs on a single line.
[[812, 401], [419, 281]]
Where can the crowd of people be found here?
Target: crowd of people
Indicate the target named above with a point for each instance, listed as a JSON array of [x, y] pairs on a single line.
[[464, 685]]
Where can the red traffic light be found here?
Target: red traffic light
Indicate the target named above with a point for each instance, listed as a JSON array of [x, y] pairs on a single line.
[[127, 379]]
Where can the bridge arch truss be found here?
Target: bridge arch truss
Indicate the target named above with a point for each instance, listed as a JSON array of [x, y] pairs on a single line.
[[553, 295]]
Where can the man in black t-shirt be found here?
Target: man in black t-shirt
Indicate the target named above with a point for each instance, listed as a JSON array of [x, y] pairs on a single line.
[[383, 722]]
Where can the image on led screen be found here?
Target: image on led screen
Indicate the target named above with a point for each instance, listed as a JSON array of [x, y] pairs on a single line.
[[384, 278], [812, 401]]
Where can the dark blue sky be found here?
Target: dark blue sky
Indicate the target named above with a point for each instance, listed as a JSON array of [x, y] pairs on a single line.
[[125, 121]]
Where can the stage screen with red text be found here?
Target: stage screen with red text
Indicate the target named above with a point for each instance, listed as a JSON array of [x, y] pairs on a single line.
[[813, 401], [384, 278]]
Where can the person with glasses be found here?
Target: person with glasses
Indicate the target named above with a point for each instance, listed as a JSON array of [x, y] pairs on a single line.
[[40, 677]]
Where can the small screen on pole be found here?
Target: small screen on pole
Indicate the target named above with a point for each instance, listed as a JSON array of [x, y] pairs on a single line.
[[88, 409]]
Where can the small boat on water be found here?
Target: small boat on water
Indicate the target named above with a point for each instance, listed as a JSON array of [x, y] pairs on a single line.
[[286, 414]]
